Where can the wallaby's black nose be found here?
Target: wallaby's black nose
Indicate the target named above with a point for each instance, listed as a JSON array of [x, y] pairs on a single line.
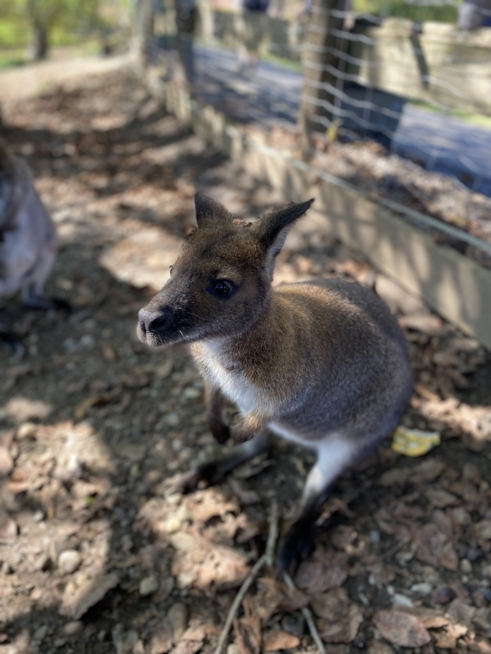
[[155, 322]]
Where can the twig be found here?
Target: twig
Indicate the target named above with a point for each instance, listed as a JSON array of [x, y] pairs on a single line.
[[393, 550], [307, 614], [273, 534], [266, 559]]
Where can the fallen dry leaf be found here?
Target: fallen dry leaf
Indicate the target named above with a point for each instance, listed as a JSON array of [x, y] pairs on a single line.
[[401, 628], [273, 595], [76, 603], [162, 640], [276, 640], [324, 570], [339, 617], [6, 462], [378, 647], [435, 548], [201, 563], [191, 641]]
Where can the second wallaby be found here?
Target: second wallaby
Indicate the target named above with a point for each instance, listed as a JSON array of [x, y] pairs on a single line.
[[323, 364]]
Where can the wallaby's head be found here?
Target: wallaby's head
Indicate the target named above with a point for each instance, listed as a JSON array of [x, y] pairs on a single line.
[[220, 284]]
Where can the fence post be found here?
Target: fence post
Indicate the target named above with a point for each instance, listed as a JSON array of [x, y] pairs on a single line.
[[320, 57], [144, 30]]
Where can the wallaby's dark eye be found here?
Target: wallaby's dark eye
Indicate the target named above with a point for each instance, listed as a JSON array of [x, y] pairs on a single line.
[[222, 287]]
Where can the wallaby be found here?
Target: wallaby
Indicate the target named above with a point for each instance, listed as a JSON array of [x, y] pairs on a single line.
[[27, 236], [323, 364]]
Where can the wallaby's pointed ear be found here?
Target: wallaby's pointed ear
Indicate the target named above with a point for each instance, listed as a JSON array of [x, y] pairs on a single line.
[[272, 229], [209, 211]]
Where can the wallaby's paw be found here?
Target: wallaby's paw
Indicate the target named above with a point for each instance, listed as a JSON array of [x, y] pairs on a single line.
[[187, 483], [296, 545], [205, 475], [221, 433]]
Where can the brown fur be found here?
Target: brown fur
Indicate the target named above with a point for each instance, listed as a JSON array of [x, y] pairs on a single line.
[[322, 363]]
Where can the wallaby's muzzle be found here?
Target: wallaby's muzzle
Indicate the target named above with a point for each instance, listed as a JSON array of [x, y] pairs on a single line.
[[155, 327]]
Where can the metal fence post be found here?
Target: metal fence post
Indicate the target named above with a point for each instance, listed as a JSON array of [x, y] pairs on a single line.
[[144, 30], [322, 46]]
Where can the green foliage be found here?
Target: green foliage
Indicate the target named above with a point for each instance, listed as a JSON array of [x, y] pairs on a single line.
[[442, 11], [69, 15]]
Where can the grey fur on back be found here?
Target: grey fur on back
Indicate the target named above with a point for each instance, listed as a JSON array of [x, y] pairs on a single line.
[[367, 381], [27, 234]]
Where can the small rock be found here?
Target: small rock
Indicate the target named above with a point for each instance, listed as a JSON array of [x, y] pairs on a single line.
[[39, 516], [375, 536], [26, 430], [41, 633], [172, 419], [466, 566], [191, 393], [233, 649], [87, 341], [6, 462], [69, 561], [443, 595], [482, 596], [8, 528], [473, 554], [421, 589], [178, 619], [402, 600], [59, 642], [148, 586], [72, 628]]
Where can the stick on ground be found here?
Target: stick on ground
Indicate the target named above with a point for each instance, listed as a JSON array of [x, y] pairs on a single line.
[[307, 614], [266, 559]]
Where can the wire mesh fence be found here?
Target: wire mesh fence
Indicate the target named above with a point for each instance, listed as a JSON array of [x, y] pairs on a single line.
[[421, 88]]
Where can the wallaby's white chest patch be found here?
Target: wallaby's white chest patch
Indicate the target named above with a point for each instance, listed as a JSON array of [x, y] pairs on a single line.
[[217, 367]]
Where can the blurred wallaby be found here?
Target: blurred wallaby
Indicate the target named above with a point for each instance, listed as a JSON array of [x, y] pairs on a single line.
[[27, 235], [323, 363]]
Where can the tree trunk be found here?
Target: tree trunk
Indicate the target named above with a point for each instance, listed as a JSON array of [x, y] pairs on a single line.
[[322, 68], [39, 47]]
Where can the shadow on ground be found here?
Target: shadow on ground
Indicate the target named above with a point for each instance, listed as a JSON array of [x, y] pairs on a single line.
[[93, 424]]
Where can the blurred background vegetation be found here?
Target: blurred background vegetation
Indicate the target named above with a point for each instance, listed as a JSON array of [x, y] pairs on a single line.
[[35, 29]]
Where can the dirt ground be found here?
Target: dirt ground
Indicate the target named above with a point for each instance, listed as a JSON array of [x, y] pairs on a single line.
[[95, 555]]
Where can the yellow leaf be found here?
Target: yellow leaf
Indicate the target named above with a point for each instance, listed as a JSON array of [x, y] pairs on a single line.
[[413, 442]]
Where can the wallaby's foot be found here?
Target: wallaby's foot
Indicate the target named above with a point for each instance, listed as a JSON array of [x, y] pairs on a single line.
[[296, 545], [205, 475], [214, 471], [40, 303]]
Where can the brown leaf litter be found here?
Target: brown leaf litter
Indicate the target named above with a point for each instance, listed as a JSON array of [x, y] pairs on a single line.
[[93, 426]]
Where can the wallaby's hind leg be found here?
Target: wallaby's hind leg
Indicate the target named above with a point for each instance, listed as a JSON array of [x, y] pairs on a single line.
[[214, 471], [335, 456]]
